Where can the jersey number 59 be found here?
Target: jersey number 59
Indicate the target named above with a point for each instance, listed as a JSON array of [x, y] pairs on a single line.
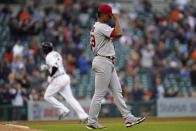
[[92, 42]]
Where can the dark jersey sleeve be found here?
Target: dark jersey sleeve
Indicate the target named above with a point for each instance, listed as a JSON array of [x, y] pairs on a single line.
[[54, 69]]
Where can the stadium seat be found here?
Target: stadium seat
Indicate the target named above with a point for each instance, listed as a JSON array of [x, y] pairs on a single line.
[[1, 18], [6, 19], [145, 81], [2, 53], [130, 82]]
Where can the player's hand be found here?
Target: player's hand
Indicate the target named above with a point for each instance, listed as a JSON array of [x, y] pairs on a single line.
[[49, 79], [43, 67], [115, 16]]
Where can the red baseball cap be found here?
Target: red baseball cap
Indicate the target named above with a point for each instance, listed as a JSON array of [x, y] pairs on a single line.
[[106, 9]]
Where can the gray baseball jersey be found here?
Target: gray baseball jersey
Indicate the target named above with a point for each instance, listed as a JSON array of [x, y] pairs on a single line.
[[105, 73], [101, 42]]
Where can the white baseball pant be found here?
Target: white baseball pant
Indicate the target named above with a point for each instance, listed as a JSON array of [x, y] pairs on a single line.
[[61, 84]]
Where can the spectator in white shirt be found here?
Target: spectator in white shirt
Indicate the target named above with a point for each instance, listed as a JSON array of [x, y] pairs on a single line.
[[147, 56], [33, 96], [182, 3], [160, 88], [18, 49], [17, 101], [17, 95]]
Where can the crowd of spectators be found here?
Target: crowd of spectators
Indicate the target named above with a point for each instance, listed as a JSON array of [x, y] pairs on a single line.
[[152, 35], [162, 43], [32, 24]]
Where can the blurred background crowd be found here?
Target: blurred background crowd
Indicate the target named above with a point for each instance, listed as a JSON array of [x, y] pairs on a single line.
[[156, 56]]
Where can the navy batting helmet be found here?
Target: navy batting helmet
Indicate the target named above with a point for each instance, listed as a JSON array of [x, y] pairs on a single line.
[[47, 47]]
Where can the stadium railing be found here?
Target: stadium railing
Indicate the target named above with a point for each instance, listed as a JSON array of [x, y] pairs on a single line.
[[10, 112]]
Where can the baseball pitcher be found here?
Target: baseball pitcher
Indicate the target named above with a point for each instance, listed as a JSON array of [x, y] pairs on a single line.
[[59, 82], [103, 64]]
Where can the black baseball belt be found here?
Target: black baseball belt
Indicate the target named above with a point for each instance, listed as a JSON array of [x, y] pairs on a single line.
[[54, 77], [108, 57]]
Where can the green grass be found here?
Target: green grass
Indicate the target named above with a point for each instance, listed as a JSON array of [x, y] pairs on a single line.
[[146, 126]]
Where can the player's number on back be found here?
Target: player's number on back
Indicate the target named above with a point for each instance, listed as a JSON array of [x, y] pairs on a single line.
[[92, 41]]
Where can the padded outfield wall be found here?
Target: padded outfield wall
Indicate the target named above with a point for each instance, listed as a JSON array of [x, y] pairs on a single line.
[[166, 107]]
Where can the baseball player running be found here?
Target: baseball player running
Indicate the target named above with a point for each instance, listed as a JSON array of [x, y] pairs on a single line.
[[103, 64], [59, 82]]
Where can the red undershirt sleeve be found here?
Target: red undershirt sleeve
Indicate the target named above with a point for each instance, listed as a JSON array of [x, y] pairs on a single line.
[[112, 34]]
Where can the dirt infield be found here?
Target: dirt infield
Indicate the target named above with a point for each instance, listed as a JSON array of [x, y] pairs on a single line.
[[4, 127], [26, 123]]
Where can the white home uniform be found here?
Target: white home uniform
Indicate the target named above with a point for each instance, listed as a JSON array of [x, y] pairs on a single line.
[[60, 83], [105, 73]]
